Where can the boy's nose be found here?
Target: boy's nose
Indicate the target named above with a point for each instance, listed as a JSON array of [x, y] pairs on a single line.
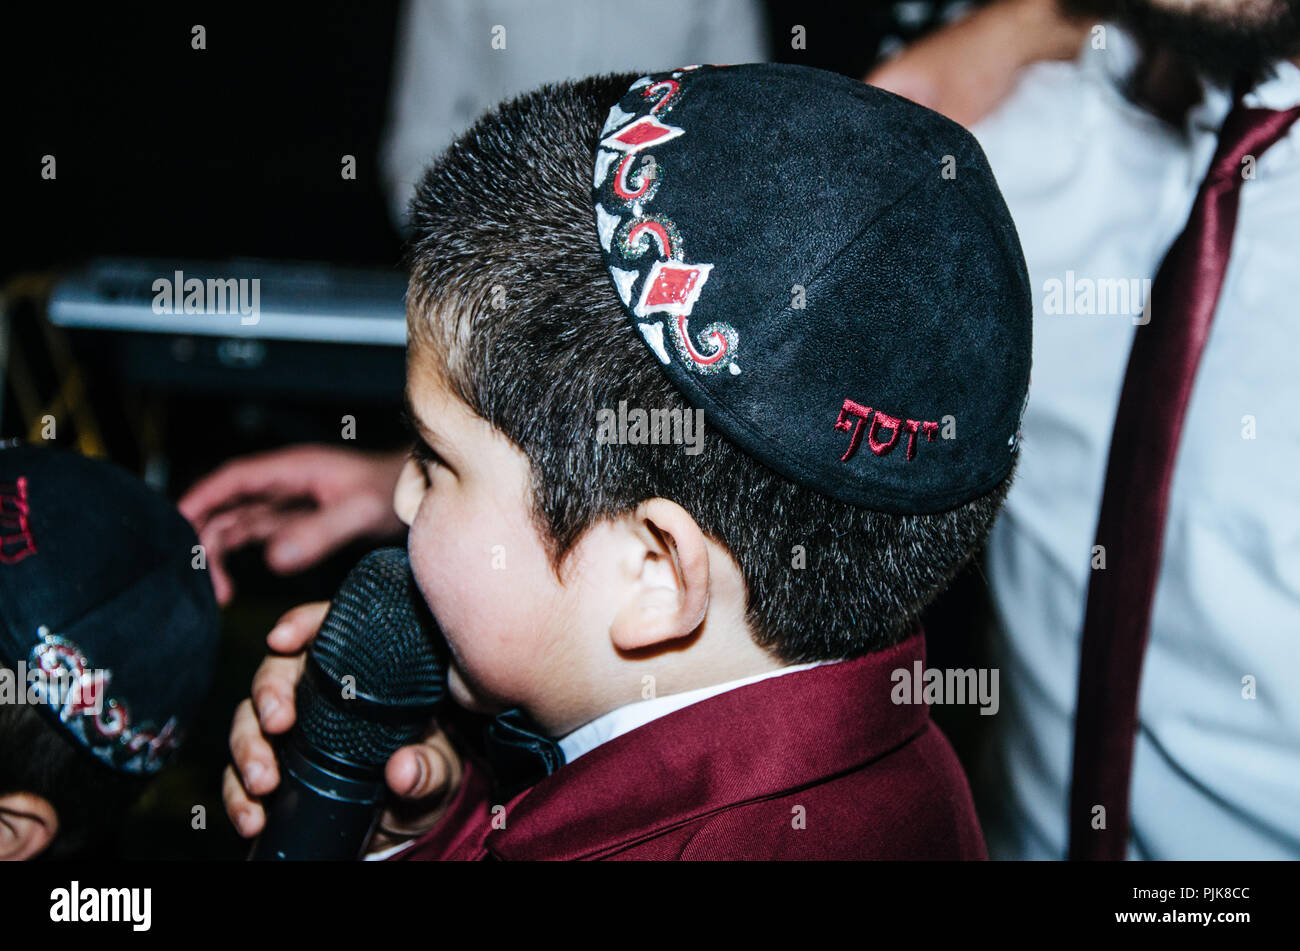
[[410, 489]]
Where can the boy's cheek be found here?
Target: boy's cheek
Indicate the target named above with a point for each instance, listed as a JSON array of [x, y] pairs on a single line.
[[454, 573], [439, 557], [482, 613], [467, 697]]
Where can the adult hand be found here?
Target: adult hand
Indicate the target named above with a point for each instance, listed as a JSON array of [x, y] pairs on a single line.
[[304, 502], [967, 68], [423, 775]]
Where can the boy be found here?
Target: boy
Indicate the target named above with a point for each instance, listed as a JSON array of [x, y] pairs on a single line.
[[107, 638], [702, 650]]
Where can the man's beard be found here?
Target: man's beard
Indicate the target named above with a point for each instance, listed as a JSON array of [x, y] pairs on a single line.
[[1224, 45]]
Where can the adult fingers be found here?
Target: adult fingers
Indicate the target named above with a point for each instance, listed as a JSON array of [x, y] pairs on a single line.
[[251, 752], [281, 472], [245, 813], [230, 530], [273, 690], [214, 555], [297, 627], [306, 538]]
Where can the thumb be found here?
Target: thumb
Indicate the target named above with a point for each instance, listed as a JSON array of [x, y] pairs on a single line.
[[423, 776], [417, 772]]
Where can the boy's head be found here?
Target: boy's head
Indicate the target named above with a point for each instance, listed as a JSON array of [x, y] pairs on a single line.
[[108, 631], [779, 247]]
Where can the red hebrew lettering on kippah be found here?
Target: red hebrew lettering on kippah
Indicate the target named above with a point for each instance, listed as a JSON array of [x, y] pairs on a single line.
[[912, 426], [879, 421], [863, 413], [887, 422], [16, 541]]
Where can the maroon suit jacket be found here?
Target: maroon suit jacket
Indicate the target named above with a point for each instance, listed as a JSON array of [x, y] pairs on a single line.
[[816, 764]]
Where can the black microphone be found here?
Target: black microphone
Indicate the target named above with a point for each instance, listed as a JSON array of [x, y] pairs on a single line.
[[375, 675]]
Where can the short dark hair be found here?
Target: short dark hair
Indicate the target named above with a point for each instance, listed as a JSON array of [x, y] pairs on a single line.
[[510, 296], [90, 798]]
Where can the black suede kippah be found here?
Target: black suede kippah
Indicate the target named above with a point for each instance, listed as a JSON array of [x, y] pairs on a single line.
[[828, 271], [98, 592]]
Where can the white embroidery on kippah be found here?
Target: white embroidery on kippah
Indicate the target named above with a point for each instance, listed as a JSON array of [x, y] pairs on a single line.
[[654, 336], [605, 225], [604, 160], [617, 117], [624, 280]]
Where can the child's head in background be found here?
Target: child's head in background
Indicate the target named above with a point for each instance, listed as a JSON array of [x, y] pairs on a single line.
[[108, 633]]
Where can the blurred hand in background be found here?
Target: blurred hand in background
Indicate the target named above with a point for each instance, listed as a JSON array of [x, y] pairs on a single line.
[[303, 503], [967, 68]]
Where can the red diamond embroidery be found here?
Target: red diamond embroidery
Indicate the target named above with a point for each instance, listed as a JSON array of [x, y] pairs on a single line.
[[672, 288], [642, 133]]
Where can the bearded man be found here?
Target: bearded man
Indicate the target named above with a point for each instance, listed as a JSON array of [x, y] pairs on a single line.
[[1146, 569]]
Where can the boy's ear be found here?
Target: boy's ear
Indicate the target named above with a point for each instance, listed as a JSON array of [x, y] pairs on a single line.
[[28, 824], [667, 564]]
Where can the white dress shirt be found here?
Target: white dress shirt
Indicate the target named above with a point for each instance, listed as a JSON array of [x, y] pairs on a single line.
[[449, 71], [1099, 188]]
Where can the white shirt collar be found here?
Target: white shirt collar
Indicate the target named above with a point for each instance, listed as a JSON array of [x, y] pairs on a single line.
[[640, 712], [1280, 90]]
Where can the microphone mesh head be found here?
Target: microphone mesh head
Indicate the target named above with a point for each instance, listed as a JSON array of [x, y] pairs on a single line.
[[379, 633]]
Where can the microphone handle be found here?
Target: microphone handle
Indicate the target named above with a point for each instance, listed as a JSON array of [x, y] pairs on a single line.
[[323, 810]]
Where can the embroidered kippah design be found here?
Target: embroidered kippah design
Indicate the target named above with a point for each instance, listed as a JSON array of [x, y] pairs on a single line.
[[101, 722], [657, 276]]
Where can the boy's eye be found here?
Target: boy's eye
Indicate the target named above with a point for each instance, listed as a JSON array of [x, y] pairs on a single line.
[[423, 454], [425, 457]]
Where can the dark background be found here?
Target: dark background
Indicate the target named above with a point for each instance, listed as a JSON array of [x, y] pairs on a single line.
[[234, 151]]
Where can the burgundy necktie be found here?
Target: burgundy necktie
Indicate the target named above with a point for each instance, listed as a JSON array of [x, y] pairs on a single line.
[[1143, 449]]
